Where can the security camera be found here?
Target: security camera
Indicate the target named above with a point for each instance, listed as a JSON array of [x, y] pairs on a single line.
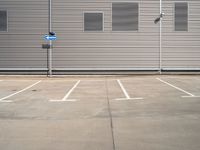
[[162, 14], [159, 18], [52, 33]]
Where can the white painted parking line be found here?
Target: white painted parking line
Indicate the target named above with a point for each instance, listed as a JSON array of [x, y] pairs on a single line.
[[188, 93], [2, 100], [125, 93], [65, 99]]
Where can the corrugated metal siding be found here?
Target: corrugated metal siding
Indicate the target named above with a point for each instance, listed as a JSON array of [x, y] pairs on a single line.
[[181, 49], [105, 50], [20, 47]]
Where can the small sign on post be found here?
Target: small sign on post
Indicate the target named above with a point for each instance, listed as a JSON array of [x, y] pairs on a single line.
[[46, 46], [50, 37]]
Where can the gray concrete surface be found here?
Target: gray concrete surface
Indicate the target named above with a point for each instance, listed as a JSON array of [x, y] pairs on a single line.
[[162, 120]]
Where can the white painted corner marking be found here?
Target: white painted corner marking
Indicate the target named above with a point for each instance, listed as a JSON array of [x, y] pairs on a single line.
[[6, 101], [62, 100], [2, 99], [190, 95], [127, 97], [65, 99]]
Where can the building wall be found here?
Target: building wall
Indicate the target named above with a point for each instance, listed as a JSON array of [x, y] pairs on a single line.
[[181, 49], [75, 49], [20, 47], [108, 49]]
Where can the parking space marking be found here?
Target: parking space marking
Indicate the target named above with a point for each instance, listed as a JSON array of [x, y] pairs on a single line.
[[65, 99], [2, 100], [189, 94], [127, 97]]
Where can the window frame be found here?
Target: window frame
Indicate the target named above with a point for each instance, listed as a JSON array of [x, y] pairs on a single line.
[[187, 16], [6, 20], [137, 2], [93, 12]]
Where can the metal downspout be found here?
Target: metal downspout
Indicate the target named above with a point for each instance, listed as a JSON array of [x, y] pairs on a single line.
[[160, 40], [50, 42]]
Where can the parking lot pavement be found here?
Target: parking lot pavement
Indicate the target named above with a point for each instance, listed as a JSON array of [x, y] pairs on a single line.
[[100, 113], [163, 120]]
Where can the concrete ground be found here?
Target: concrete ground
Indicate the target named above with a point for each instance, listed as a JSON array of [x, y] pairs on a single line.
[[100, 113]]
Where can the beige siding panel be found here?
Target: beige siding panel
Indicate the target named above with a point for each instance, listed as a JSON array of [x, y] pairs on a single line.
[[107, 49], [181, 49], [20, 47]]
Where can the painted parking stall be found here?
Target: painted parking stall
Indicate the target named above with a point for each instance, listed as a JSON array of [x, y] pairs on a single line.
[[127, 97], [18, 92], [163, 118], [12, 88], [188, 94], [66, 97], [89, 107], [124, 89]]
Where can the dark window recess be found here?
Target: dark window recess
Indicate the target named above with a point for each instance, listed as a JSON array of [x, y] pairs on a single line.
[[181, 16], [3, 20], [93, 21], [125, 16]]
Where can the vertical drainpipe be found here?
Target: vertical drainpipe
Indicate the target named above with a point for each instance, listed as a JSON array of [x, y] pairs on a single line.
[[160, 41], [50, 42]]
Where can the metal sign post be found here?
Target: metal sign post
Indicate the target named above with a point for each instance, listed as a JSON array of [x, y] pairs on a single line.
[[160, 47], [50, 41], [159, 19]]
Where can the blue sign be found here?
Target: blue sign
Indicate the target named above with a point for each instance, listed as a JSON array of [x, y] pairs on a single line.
[[50, 37]]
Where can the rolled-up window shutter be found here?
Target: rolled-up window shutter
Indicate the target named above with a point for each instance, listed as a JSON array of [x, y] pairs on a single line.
[[125, 16], [93, 21], [181, 16], [3, 20]]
